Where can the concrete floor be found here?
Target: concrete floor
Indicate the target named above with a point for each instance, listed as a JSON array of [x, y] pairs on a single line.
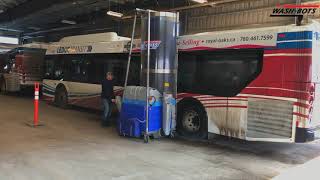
[[72, 145]]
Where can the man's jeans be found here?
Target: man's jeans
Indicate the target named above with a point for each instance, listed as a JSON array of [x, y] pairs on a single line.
[[106, 111]]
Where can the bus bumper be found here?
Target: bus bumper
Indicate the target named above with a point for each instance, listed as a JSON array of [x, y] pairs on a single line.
[[304, 135]]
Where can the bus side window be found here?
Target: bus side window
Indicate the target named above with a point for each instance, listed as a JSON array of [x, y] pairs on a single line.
[[224, 72], [58, 68], [49, 68], [78, 69], [187, 72], [119, 71], [134, 73], [95, 70]]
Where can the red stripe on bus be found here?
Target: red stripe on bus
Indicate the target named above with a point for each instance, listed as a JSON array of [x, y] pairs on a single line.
[[301, 115], [221, 99], [225, 106], [302, 105], [277, 93], [221, 103], [295, 51], [229, 47]]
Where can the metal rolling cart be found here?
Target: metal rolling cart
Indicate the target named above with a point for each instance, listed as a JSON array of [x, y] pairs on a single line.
[[163, 78]]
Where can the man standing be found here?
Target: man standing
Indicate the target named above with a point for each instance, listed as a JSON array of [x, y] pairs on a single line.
[[107, 98]]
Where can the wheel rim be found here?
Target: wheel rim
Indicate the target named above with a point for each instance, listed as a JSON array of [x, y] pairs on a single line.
[[191, 121]]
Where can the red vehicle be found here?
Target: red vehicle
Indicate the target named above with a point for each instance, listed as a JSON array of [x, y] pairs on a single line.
[[20, 68]]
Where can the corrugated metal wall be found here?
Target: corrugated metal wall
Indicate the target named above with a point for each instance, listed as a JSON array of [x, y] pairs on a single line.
[[236, 15], [241, 14]]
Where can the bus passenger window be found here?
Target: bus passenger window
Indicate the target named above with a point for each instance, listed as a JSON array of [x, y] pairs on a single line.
[[49, 68], [220, 73], [119, 71], [95, 69], [78, 69], [134, 73], [58, 73]]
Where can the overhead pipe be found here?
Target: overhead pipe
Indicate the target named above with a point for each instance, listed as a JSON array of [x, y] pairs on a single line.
[[10, 30], [63, 28], [209, 4], [298, 19]]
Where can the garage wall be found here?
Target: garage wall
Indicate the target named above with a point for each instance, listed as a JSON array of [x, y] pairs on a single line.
[[241, 14], [237, 15]]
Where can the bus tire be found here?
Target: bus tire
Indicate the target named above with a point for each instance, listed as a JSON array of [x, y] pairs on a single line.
[[3, 88], [192, 120], [61, 97]]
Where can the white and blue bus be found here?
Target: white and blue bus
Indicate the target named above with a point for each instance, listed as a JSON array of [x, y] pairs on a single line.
[[265, 80]]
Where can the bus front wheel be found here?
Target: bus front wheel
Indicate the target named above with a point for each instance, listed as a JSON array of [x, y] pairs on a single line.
[[3, 87], [61, 97], [192, 120]]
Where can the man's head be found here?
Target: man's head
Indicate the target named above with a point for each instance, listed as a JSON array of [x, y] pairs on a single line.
[[109, 76]]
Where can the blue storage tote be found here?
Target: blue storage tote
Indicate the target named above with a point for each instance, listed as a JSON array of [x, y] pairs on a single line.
[[132, 120]]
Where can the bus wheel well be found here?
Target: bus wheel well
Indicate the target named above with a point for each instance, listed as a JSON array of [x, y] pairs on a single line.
[[61, 96], [60, 86], [2, 84], [1, 78], [192, 119]]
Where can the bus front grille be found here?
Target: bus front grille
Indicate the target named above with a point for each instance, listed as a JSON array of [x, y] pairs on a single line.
[[269, 119]]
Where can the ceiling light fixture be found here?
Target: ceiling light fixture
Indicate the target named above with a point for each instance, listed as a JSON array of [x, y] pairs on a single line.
[[64, 21], [200, 1], [116, 14]]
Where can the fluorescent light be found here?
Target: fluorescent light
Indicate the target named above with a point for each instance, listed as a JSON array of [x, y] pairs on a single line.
[[200, 1], [68, 22], [9, 40], [116, 14]]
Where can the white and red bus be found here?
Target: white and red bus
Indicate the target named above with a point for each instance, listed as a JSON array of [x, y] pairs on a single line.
[[255, 84], [21, 67]]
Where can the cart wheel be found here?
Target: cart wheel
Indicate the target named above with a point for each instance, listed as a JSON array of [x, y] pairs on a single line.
[[172, 134], [146, 138], [157, 135]]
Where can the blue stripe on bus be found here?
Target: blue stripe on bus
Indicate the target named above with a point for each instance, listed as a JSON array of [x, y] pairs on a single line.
[[46, 91], [289, 36], [294, 45], [48, 87]]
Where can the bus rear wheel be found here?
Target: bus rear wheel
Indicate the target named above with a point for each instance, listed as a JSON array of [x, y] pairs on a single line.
[[192, 120], [61, 97]]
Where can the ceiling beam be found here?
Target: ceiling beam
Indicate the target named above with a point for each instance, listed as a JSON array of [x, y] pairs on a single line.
[[27, 8], [33, 6]]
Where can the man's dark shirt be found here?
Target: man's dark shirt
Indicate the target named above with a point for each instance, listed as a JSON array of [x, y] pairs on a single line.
[[107, 89]]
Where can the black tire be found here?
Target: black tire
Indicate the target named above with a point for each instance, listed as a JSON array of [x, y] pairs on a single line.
[[146, 138], [3, 88], [192, 120], [61, 97]]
